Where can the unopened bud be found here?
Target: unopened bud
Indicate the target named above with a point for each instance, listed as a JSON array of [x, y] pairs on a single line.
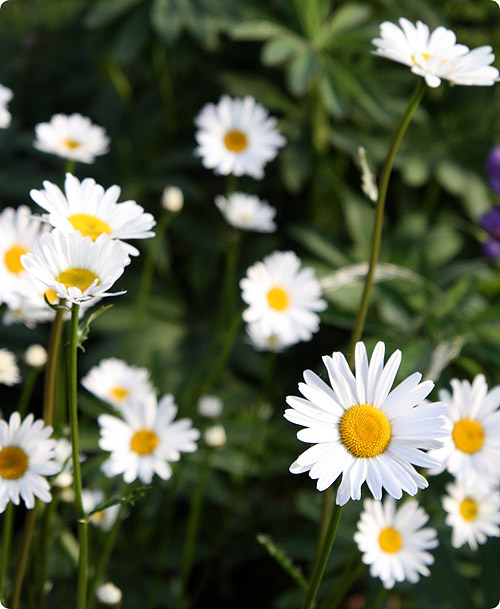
[[109, 595], [35, 356], [172, 199], [215, 436], [209, 406]]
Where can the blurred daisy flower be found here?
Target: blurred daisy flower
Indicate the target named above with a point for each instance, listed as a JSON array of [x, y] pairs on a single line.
[[26, 457], [89, 209], [471, 450], [282, 297], [247, 212], [5, 97], [237, 136], [104, 519], [435, 55], [115, 382], [473, 514], [145, 440], [75, 267], [9, 370], [394, 542], [262, 339], [108, 595], [72, 137], [36, 356], [210, 406], [363, 430]]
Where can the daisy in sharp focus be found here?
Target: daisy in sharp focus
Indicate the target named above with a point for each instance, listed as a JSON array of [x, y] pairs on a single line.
[[471, 450], [363, 430], [394, 542], [5, 97], [26, 457], [86, 207], [77, 268], [72, 137], [237, 136], [473, 514], [282, 297], [435, 55], [247, 212], [115, 382], [145, 440], [9, 370]]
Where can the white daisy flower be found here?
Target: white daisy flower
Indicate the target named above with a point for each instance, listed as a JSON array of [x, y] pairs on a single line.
[[393, 542], [262, 339], [172, 199], [471, 450], [115, 382], [9, 370], [473, 514], [143, 443], [210, 406], [104, 519], [5, 97], [86, 207], [247, 212], [363, 430], [35, 356], [109, 594], [72, 137], [435, 55], [215, 436], [237, 136], [26, 457], [282, 297], [75, 267]]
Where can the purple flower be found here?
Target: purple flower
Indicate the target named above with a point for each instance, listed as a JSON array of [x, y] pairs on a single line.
[[490, 222], [493, 168], [491, 249]]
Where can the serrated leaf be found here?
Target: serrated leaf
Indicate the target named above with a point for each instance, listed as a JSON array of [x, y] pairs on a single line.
[[282, 558]]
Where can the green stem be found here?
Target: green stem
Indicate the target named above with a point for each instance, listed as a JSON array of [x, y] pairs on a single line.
[[27, 391], [51, 368], [8, 522], [81, 598], [43, 561], [378, 601], [352, 571], [379, 212], [22, 558], [322, 559], [70, 166]]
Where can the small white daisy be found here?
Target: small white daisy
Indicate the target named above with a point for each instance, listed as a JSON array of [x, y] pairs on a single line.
[[172, 199], [435, 55], [115, 382], [215, 436], [109, 594], [210, 406], [394, 542], [35, 356], [5, 97], [237, 136], [104, 519], [75, 267], [247, 212], [143, 443], [9, 370], [363, 430], [473, 514], [282, 297], [471, 450], [262, 339], [26, 457], [86, 207], [72, 137]]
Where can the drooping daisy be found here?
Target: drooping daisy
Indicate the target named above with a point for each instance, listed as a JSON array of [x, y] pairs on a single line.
[[363, 430], [435, 55], [104, 519], [282, 297], [146, 440], [88, 208], [473, 514], [26, 457], [115, 382], [471, 450], [394, 542], [237, 136], [5, 97], [262, 339], [247, 212], [9, 370], [75, 267], [72, 137]]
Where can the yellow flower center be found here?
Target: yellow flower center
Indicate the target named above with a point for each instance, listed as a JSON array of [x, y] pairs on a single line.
[[97, 517], [119, 393], [365, 431], [468, 435], [469, 509], [72, 144], [390, 540], [89, 226], [13, 462], [77, 278], [235, 141], [278, 299], [52, 297], [13, 258], [144, 442]]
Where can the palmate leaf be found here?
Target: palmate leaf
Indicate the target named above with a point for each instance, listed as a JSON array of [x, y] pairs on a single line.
[[282, 558]]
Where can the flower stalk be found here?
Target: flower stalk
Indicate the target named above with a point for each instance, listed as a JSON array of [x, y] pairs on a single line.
[[8, 522]]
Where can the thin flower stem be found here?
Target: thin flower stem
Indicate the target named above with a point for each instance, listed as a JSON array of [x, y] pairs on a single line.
[[27, 391], [352, 571], [379, 600], [8, 522], [83, 541], [22, 558], [51, 368], [43, 561], [70, 166]]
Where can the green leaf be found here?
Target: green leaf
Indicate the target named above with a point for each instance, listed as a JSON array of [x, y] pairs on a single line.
[[131, 37], [279, 50], [301, 72], [295, 166], [106, 11], [345, 18], [330, 95], [166, 20], [256, 30], [282, 558], [84, 329], [319, 244]]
